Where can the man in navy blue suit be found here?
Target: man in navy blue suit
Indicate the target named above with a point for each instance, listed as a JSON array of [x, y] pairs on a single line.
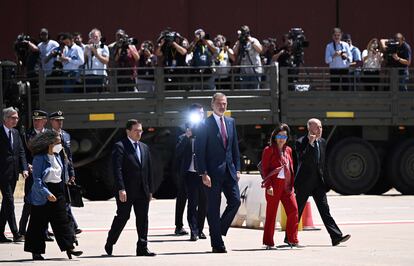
[[218, 159]]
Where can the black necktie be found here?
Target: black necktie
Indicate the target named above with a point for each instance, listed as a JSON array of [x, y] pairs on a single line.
[[137, 151], [10, 139], [318, 152]]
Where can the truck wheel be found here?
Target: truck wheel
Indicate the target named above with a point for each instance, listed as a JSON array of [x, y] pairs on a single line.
[[353, 166], [401, 167], [383, 184], [97, 179]]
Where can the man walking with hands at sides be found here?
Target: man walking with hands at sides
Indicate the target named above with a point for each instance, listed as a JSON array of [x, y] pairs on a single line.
[[133, 181], [309, 180], [218, 160]]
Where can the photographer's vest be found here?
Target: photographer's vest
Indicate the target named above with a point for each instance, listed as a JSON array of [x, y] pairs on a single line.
[[201, 56]]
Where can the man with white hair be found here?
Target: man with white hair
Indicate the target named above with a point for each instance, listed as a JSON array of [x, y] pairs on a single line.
[[309, 180], [12, 162]]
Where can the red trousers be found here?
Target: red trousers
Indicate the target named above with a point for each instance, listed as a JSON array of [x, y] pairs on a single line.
[[289, 203]]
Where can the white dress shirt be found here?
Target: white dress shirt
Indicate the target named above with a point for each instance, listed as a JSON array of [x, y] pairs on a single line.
[[75, 55], [138, 151], [55, 174], [6, 129], [217, 118]]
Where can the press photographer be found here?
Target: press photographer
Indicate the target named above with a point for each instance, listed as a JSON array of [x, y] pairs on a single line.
[[202, 49], [222, 61], [126, 56], [147, 62], [269, 50], [27, 54], [247, 51], [172, 51], [96, 60], [398, 55]]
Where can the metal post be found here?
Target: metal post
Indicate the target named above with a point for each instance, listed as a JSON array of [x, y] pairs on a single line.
[[395, 92], [1, 86], [275, 91], [159, 94]]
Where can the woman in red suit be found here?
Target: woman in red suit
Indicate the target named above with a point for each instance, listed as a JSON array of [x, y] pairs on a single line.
[[277, 170]]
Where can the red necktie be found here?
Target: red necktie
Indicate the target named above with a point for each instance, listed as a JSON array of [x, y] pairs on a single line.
[[223, 132]]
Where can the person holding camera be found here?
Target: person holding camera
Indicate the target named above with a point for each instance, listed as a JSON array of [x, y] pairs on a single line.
[[398, 55], [46, 48], [71, 58], [339, 57], [172, 51], [372, 58], [27, 55], [124, 55], [147, 62], [96, 60], [223, 59], [188, 179], [247, 51], [202, 50]]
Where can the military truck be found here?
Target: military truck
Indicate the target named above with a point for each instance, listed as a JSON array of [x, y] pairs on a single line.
[[369, 133]]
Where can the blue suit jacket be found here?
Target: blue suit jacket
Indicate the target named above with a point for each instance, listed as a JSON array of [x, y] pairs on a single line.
[[41, 168], [212, 157]]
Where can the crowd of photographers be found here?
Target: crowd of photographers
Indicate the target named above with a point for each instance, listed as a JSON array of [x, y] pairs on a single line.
[[210, 59]]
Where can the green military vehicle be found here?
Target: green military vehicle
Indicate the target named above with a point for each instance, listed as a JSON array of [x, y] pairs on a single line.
[[370, 133]]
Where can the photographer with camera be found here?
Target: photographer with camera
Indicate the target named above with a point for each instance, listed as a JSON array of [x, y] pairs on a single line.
[[372, 58], [269, 50], [147, 62], [247, 50], [223, 58], [285, 57], [46, 48], [189, 182], [338, 56], [398, 55], [202, 49], [126, 56], [172, 51], [27, 55], [72, 58], [96, 60]]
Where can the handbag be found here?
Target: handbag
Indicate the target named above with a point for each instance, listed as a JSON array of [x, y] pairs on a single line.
[[75, 192]]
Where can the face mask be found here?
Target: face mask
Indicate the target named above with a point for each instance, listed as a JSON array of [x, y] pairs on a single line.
[[57, 148]]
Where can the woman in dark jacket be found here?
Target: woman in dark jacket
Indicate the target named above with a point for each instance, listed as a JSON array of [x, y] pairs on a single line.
[[47, 198], [277, 170]]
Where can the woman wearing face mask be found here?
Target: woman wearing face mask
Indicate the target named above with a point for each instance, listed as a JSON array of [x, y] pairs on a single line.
[[277, 169], [372, 58], [47, 198]]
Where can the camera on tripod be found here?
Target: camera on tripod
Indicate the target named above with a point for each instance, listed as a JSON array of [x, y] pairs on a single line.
[[392, 46]]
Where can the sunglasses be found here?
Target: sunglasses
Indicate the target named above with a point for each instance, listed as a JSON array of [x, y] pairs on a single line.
[[281, 137]]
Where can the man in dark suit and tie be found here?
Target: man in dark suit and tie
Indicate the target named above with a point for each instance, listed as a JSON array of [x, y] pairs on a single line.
[[187, 170], [133, 182], [218, 158], [309, 180], [12, 162], [39, 119]]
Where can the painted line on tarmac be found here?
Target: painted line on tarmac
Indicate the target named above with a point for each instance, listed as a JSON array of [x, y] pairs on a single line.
[[380, 222]]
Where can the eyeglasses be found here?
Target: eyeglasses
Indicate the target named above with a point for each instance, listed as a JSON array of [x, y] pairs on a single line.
[[14, 117], [281, 137]]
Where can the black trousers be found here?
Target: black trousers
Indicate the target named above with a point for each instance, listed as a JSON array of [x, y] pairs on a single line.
[[123, 212], [371, 77], [24, 219], [197, 202], [55, 213], [340, 77], [180, 202], [319, 196], [7, 214]]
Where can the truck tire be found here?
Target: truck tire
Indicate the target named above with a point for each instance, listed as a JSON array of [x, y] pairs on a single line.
[[401, 167], [383, 184], [353, 166]]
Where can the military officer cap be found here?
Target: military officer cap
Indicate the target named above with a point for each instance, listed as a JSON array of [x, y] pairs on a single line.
[[58, 115], [39, 114]]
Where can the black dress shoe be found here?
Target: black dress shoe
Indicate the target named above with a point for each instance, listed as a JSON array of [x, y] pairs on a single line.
[[74, 252], [36, 256], [202, 236], [193, 237], [179, 231], [145, 252], [78, 231], [344, 238], [108, 249], [220, 250], [4, 239], [18, 238], [48, 238]]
